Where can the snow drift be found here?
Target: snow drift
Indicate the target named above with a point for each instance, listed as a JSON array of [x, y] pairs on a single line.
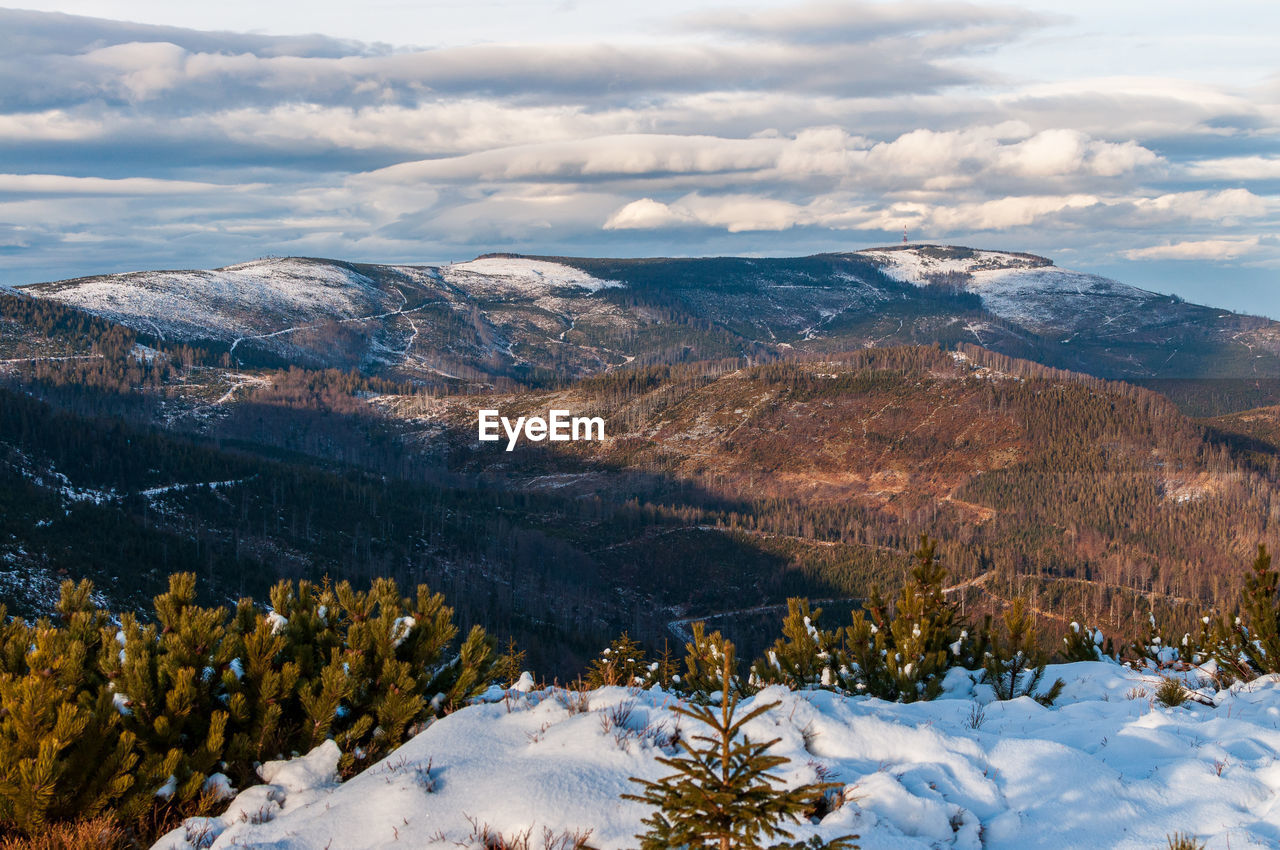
[[1107, 766]]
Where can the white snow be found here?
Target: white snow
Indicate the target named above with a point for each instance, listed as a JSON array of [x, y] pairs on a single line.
[[911, 265], [401, 629], [277, 622], [1014, 287], [236, 301], [517, 275], [1107, 766], [289, 786], [1041, 295], [175, 488], [533, 275]]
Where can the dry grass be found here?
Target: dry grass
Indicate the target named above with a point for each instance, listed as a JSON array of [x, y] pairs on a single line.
[[96, 834]]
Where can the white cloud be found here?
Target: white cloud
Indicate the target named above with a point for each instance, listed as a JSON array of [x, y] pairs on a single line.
[[782, 128], [646, 214], [53, 125], [1062, 152], [1228, 206], [59, 184], [966, 24], [1236, 168], [1204, 249]]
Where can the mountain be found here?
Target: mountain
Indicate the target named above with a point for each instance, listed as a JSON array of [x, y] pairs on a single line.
[[535, 321], [768, 434]]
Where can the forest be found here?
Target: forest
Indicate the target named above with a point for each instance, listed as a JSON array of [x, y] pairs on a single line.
[[727, 486]]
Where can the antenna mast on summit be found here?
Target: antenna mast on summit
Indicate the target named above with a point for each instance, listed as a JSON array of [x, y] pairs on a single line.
[[904, 234]]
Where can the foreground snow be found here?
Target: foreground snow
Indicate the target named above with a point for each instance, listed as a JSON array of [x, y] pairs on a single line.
[[1105, 767]]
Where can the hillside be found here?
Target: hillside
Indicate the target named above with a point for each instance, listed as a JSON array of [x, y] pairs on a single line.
[[725, 485], [507, 320], [1107, 766], [720, 488], [1088, 495]]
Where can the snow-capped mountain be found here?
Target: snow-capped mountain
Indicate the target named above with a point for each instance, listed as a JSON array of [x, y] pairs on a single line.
[[525, 317], [1027, 289]]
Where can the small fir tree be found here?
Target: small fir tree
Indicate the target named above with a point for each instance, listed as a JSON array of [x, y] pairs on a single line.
[[1257, 630], [511, 663], [805, 656], [622, 662], [905, 657], [868, 641], [1082, 643], [723, 792], [665, 671], [707, 658], [1014, 665]]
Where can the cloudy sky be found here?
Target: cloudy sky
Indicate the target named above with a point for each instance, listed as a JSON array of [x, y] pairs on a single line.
[[1138, 139]]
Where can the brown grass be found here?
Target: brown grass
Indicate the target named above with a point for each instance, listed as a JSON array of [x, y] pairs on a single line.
[[95, 834]]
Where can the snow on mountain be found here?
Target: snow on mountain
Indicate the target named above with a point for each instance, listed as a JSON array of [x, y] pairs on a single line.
[[225, 304], [520, 276], [1107, 766], [917, 263], [1023, 288]]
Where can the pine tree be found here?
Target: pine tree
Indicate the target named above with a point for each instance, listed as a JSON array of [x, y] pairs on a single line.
[[63, 751], [904, 657], [723, 792], [805, 656], [707, 658], [165, 672], [94, 717], [1014, 665], [621, 663], [868, 640], [261, 689], [1257, 630], [510, 665], [1082, 643]]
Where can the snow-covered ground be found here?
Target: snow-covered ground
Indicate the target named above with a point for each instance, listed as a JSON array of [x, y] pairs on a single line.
[[225, 303], [1106, 767], [1022, 288], [519, 276], [913, 264]]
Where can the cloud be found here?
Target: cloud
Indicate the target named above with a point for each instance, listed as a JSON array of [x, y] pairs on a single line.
[[854, 22], [60, 61], [787, 129], [31, 34], [646, 214], [1204, 249], [58, 184], [933, 160], [1228, 206], [1236, 168]]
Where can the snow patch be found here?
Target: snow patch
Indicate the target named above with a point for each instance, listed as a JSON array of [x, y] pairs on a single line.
[[1104, 767], [520, 276]]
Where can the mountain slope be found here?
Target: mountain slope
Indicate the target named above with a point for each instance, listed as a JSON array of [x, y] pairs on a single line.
[[539, 320], [1092, 323]]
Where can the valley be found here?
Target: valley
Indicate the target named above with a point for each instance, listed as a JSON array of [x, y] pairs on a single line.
[[773, 428]]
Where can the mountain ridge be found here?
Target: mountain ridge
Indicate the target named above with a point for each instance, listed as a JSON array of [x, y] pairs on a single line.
[[530, 320]]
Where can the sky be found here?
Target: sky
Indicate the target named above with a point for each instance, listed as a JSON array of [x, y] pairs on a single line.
[[1139, 140]]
